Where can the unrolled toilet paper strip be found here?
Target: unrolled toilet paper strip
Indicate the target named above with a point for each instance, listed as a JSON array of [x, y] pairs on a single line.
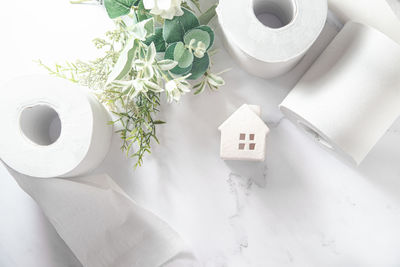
[[103, 226], [267, 50], [350, 96], [375, 13], [52, 127]]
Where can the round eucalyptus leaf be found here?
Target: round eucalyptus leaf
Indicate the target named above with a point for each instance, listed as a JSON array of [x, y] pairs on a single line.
[[182, 55], [178, 51], [174, 29], [200, 66], [199, 36], [169, 54], [210, 32], [186, 60]]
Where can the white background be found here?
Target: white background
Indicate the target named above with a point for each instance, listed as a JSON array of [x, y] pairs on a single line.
[[302, 207]]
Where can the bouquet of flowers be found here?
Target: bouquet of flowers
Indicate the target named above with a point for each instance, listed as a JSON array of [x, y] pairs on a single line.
[[157, 47]]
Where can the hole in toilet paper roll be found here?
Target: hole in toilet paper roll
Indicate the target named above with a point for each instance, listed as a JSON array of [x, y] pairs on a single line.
[[274, 13], [316, 135], [41, 124]]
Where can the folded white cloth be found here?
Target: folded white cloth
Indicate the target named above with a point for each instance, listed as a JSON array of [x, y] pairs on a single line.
[[102, 225]]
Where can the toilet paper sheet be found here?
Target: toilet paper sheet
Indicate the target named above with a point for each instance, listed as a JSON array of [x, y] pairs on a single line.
[[101, 224], [350, 96]]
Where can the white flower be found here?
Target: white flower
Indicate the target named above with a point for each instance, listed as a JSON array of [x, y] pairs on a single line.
[[146, 65], [175, 89], [167, 9], [134, 87]]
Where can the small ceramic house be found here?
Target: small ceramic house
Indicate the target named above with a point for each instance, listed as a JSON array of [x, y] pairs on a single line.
[[243, 135]]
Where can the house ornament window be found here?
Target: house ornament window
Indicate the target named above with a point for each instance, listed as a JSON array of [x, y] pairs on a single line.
[[246, 141]]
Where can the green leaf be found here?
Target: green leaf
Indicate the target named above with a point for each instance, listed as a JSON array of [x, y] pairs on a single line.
[[200, 66], [200, 87], [167, 64], [186, 60], [117, 8], [143, 29], [215, 80], [148, 72], [125, 61], [210, 32], [153, 86], [197, 35], [141, 13], [175, 29], [169, 54], [178, 51], [205, 18], [157, 39], [182, 55], [151, 53]]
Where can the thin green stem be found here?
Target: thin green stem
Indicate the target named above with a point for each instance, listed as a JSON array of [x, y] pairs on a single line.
[[207, 16]]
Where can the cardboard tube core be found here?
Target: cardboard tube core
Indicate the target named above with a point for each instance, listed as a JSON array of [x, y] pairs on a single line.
[[316, 135], [274, 13], [41, 124]]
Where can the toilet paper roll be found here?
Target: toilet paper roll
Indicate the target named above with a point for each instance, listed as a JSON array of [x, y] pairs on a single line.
[[375, 13], [350, 96], [269, 37], [52, 128]]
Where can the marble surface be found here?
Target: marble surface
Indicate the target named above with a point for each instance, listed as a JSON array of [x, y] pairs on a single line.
[[301, 207]]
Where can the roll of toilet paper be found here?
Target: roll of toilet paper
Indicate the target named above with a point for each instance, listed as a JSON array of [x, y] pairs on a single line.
[[52, 128], [269, 37], [375, 13], [350, 96]]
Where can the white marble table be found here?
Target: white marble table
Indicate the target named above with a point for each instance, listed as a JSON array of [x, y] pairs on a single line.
[[302, 207]]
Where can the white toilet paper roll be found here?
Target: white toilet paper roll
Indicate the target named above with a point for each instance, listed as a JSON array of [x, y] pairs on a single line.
[[350, 96], [269, 37], [375, 13], [52, 128]]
